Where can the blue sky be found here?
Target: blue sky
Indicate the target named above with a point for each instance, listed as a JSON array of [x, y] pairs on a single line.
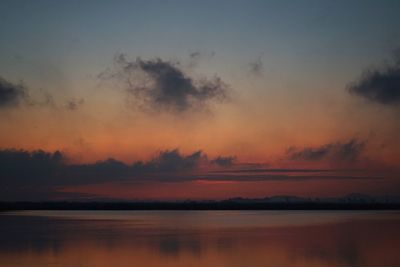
[[297, 37]]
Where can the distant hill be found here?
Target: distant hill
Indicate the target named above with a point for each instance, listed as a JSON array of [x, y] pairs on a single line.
[[350, 198], [348, 202]]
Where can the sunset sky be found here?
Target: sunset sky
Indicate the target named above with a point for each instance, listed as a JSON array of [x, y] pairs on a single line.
[[176, 100]]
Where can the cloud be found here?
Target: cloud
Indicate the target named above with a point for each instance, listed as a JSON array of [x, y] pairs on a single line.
[[11, 94], [74, 104], [224, 161], [42, 175], [164, 85], [172, 160], [257, 67], [379, 85], [15, 95], [25, 168], [19, 167], [195, 55], [341, 152], [41, 171]]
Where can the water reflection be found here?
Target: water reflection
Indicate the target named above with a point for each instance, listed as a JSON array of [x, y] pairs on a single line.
[[278, 239]]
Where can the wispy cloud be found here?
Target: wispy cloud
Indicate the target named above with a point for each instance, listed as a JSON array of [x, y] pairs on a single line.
[[74, 104], [348, 151], [14, 95], [256, 67]]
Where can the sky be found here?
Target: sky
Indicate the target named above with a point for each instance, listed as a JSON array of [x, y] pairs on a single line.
[[177, 100]]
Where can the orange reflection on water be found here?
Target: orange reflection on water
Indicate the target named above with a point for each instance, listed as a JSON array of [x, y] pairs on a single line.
[[280, 239]]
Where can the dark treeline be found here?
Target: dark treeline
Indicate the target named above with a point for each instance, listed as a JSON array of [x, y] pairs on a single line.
[[194, 205]]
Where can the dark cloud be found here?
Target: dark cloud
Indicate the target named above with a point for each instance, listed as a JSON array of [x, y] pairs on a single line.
[[38, 173], [14, 95], [52, 168], [172, 160], [164, 85], [11, 94], [224, 161], [19, 167], [74, 104], [23, 167], [380, 85], [342, 152]]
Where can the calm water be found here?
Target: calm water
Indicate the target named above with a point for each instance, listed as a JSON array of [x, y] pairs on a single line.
[[199, 238]]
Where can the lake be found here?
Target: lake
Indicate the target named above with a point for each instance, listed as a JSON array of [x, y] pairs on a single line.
[[200, 238]]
